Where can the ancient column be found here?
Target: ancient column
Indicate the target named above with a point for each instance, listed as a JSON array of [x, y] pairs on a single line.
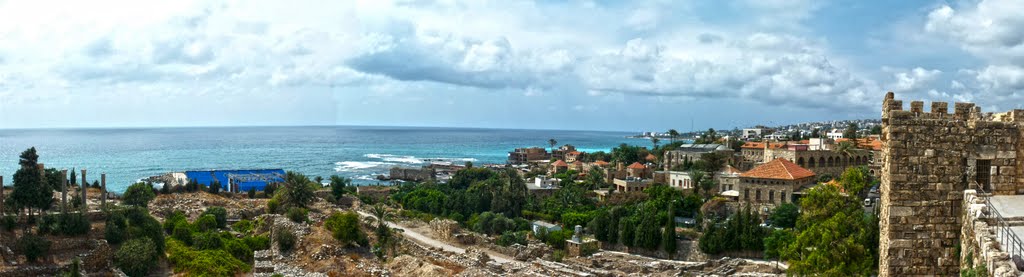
[[103, 187], [85, 190], [64, 190]]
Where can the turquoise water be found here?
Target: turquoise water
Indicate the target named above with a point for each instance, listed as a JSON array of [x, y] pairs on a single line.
[[360, 153]]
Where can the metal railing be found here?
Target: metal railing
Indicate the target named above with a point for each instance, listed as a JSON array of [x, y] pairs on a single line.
[[1008, 240]]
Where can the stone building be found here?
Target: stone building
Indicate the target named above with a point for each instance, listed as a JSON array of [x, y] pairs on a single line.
[[928, 160], [561, 152], [772, 184], [690, 153], [822, 162], [727, 179], [573, 156], [527, 155]]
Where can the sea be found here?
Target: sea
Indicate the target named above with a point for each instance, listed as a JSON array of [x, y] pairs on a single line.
[[357, 152]]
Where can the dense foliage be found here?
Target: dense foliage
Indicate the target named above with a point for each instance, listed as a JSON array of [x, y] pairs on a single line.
[[203, 263], [741, 231], [66, 224], [219, 214], [345, 228], [33, 246], [137, 257], [138, 195], [785, 215], [199, 249]]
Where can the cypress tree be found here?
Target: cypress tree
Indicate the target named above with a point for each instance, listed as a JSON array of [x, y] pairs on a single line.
[[668, 239]]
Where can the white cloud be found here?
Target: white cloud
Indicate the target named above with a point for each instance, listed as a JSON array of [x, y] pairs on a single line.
[[913, 79], [566, 49], [993, 31]]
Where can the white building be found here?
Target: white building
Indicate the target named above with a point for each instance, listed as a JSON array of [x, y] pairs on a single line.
[[835, 134], [752, 133], [680, 180]]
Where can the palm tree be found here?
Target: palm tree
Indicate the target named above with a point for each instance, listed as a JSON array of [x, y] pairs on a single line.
[[845, 148], [655, 141], [381, 215], [673, 134], [552, 142]]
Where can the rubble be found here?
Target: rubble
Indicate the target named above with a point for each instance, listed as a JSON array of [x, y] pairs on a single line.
[[406, 265]]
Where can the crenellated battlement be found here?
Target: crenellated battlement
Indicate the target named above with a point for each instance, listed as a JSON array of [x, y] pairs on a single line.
[[893, 108]]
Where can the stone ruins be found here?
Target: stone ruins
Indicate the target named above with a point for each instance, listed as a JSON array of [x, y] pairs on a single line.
[[929, 160]]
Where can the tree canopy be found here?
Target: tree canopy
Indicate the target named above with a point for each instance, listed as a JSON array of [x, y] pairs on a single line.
[[138, 195]]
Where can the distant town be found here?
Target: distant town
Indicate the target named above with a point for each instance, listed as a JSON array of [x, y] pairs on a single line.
[[755, 201]]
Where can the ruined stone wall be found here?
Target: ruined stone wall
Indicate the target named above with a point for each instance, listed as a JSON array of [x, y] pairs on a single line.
[[979, 245], [928, 160]]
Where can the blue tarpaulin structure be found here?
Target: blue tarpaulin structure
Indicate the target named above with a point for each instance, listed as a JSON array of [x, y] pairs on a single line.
[[245, 179]]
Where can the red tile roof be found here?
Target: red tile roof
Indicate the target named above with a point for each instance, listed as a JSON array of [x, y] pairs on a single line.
[[651, 157], [868, 143], [577, 163], [637, 165], [601, 163], [778, 169], [561, 163]]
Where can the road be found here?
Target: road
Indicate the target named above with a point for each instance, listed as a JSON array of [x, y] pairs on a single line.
[[430, 242]]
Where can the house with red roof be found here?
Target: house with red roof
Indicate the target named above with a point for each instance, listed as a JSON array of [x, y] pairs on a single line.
[[559, 166], [773, 183]]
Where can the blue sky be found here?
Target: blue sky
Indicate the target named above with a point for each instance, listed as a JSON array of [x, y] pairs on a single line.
[[593, 65]]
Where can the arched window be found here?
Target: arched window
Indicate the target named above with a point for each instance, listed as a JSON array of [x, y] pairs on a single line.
[[810, 163], [830, 162], [800, 161], [821, 162]]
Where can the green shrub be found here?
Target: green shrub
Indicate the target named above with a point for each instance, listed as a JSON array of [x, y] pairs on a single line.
[[74, 224], [252, 193], [243, 226], [203, 263], [285, 239], [219, 213], [141, 224], [257, 242], [173, 219], [33, 246], [114, 233], [9, 223], [510, 238], [558, 255], [297, 215], [272, 206], [183, 232], [239, 250], [345, 228], [138, 195], [206, 223], [136, 257], [207, 241], [67, 224]]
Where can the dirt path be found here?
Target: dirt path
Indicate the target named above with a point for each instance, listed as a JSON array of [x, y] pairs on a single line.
[[431, 242]]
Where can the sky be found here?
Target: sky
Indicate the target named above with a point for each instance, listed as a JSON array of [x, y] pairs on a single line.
[[576, 65]]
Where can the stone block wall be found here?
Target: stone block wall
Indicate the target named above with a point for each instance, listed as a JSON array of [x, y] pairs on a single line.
[[928, 160]]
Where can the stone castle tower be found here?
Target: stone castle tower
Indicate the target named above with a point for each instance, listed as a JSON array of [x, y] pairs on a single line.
[[929, 159]]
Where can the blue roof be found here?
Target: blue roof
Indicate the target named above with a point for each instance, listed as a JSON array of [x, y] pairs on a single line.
[[246, 179]]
